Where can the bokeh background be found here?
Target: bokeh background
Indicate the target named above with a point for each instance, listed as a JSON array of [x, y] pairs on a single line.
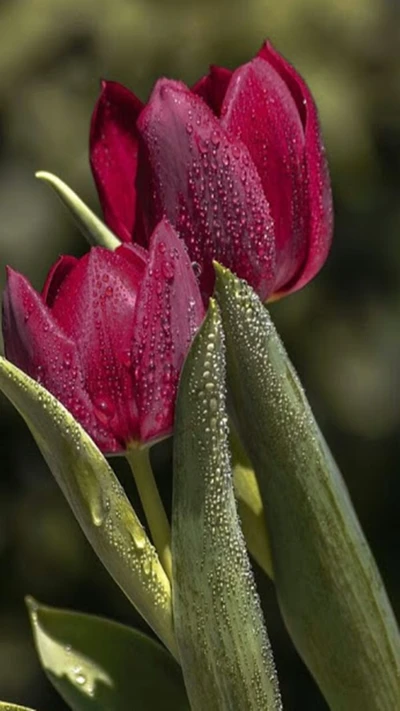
[[342, 331]]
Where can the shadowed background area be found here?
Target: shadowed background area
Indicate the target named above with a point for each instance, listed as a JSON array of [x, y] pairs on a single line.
[[342, 331]]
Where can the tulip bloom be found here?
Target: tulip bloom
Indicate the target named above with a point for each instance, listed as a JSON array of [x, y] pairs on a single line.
[[236, 164], [108, 335]]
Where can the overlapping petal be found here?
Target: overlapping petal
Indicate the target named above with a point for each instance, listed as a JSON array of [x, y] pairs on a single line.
[[317, 180], [113, 155], [36, 343], [95, 308], [206, 184], [212, 87], [55, 278], [169, 312], [259, 110]]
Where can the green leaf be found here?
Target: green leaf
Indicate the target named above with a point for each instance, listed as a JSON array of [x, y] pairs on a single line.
[[5, 706], [224, 649], [250, 505], [96, 664], [90, 225], [330, 591], [96, 498]]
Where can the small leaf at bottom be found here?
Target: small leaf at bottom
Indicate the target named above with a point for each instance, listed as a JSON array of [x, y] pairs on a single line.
[[96, 664]]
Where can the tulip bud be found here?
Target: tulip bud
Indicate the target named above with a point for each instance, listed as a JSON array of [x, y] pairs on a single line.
[[108, 336], [236, 163]]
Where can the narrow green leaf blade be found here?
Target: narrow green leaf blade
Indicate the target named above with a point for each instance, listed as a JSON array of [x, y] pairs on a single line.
[[5, 706], [328, 585], [223, 644], [250, 506], [96, 498], [96, 664], [95, 231]]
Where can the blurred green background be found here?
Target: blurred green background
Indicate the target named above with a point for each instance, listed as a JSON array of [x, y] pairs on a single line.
[[342, 331]]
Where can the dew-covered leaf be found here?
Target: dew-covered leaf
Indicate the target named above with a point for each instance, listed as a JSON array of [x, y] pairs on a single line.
[[329, 589], [95, 231], [5, 706], [96, 664], [223, 644], [96, 498]]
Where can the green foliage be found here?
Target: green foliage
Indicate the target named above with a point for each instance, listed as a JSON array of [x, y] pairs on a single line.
[[330, 591], [223, 644], [96, 498], [95, 231], [250, 506], [96, 664], [5, 706]]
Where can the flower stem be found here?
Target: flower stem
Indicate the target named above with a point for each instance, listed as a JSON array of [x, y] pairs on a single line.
[[139, 461]]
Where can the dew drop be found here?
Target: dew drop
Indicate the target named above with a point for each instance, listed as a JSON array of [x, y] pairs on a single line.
[[79, 676], [168, 270], [215, 138], [104, 409], [197, 269]]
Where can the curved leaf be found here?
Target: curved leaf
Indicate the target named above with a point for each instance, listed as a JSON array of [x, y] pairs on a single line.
[[224, 648], [96, 664], [329, 589], [96, 498], [250, 506], [95, 231], [5, 706]]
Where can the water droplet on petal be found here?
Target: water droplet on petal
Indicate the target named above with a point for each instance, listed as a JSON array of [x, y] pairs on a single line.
[[197, 269], [104, 409], [168, 270]]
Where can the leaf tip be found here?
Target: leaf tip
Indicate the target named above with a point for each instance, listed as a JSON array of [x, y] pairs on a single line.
[[32, 606], [44, 175]]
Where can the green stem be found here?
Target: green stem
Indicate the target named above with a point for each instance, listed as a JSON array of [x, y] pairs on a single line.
[[139, 461]]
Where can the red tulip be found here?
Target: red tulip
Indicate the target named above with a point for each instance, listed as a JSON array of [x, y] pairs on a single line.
[[108, 335], [236, 164]]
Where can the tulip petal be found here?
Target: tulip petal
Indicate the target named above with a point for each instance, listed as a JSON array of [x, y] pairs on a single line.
[[35, 343], [206, 184], [258, 110], [95, 307], [317, 175], [169, 311], [55, 278], [212, 88], [113, 155]]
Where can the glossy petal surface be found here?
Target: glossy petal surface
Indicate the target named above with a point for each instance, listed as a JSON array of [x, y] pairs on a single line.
[[36, 343], [113, 155], [207, 185], [236, 164], [212, 87], [95, 308], [258, 109], [55, 278], [168, 313], [317, 181]]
